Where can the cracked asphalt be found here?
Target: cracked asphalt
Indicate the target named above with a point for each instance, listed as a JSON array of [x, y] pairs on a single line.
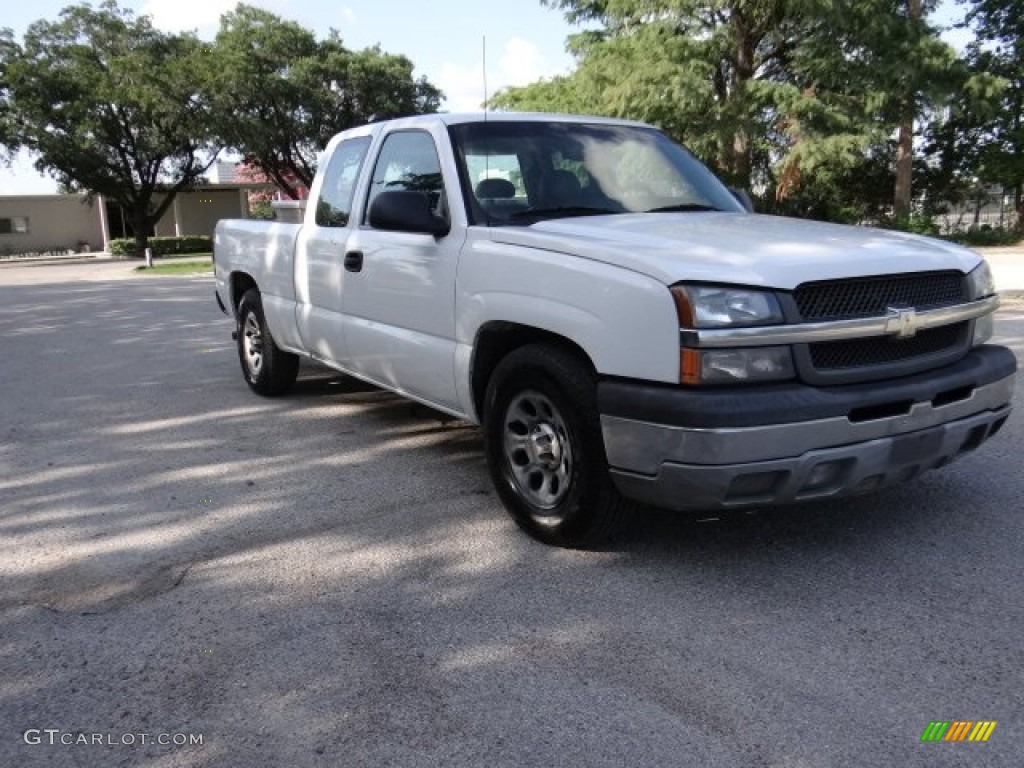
[[327, 579]]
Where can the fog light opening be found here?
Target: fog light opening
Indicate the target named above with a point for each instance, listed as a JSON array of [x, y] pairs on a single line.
[[756, 485]]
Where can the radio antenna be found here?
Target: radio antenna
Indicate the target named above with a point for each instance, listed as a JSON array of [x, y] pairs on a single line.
[[484, 67]]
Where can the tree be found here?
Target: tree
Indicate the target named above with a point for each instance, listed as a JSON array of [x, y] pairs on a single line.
[[111, 106], [999, 50], [282, 94], [709, 72], [8, 48], [887, 63], [908, 111], [775, 95]]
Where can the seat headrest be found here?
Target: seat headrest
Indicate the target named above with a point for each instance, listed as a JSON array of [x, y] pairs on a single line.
[[495, 188]]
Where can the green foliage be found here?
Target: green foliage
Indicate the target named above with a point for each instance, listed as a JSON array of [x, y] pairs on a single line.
[[797, 100], [110, 105], [998, 50], [850, 190], [8, 139], [984, 236], [919, 224], [281, 94], [164, 246], [261, 209], [705, 71]]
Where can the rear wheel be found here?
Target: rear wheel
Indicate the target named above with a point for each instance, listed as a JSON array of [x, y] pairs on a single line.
[[545, 450], [267, 369]]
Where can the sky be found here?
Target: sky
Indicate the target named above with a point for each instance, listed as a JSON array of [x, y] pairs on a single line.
[[525, 41]]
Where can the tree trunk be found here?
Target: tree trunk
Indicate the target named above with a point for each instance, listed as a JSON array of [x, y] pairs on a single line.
[[745, 43], [904, 166], [741, 160], [1018, 205], [141, 225], [905, 142]]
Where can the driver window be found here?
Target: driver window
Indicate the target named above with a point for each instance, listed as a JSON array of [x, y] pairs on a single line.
[[408, 161]]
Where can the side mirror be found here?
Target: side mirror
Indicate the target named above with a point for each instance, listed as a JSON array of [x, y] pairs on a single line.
[[402, 210], [744, 197]]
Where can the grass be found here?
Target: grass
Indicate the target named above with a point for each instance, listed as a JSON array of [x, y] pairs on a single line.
[[193, 266]]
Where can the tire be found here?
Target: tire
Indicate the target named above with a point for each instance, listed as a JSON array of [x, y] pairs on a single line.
[[267, 369], [545, 451]]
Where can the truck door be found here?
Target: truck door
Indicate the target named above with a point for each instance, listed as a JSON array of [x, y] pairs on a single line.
[[320, 253], [399, 293]]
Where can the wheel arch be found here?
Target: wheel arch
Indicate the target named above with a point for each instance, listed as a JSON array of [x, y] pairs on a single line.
[[239, 283], [496, 339]]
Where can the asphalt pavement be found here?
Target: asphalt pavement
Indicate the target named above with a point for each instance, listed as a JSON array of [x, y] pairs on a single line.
[[327, 579]]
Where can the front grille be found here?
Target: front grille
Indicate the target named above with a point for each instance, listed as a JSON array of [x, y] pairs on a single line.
[[848, 360], [872, 296], [880, 350]]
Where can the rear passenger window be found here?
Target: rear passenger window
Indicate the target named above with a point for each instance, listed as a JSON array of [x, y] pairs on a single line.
[[335, 204]]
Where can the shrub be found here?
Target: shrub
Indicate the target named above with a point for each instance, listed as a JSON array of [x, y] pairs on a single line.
[[987, 236], [917, 224], [261, 210], [164, 246]]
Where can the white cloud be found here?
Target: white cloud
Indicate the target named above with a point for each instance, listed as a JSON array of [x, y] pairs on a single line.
[[463, 87], [520, 62], [348, 14]]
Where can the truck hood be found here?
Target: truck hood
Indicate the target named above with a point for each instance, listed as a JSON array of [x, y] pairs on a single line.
[[740, 248]]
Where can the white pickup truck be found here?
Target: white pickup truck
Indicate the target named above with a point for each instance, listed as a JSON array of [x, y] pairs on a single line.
[[617, 320]]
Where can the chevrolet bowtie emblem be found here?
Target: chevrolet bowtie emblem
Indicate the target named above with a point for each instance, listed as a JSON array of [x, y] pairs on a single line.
[[901, 322]]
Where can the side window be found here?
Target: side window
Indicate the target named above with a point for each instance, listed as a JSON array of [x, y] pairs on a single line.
[[18, 225], [408, 161], [335, 203]]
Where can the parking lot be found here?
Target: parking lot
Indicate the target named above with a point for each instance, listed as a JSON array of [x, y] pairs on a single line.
[[329, 579]]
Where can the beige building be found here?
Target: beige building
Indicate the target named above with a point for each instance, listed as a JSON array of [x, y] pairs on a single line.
[[197, 211], [60, 223], [42, 223]]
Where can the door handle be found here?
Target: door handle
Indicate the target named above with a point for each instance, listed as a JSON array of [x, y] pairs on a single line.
[[354, 261]]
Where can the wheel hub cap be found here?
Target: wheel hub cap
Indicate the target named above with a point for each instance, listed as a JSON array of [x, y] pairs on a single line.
[[538, 449], [544, 447], [252, 344]]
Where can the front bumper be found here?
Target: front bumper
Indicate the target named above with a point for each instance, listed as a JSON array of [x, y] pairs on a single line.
[[707, 449]]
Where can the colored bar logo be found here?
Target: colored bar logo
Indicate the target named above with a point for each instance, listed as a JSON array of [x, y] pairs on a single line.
[[959, 730]]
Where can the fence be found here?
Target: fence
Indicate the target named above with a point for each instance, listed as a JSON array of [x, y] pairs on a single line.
[[963, 220]]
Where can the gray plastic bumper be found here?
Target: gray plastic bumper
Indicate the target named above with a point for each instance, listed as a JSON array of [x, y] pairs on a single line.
[[684, 468]]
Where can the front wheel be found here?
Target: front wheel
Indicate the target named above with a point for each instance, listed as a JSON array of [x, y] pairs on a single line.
[[268, 370], [545, 450]]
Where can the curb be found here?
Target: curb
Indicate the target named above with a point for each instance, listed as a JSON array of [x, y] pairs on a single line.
[[51, 261]]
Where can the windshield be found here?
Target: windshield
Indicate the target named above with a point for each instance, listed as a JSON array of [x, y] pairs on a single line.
[[522, 172]]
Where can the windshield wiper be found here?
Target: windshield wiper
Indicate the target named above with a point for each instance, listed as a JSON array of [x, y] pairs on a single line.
[[683, 208], [563, 211]]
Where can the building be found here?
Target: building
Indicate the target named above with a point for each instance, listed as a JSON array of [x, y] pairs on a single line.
[[46, 223], [224, 172], [62, 223]]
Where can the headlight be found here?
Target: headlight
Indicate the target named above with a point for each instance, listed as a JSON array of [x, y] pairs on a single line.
[[723, 306], [735, 366], [980, 283]]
